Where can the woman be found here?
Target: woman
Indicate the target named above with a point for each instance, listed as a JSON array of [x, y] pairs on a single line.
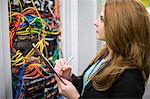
[[122, 66]]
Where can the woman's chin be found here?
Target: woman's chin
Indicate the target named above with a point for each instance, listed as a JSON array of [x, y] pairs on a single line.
[[101, 39]]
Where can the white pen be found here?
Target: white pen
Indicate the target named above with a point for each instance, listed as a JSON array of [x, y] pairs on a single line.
[[67, 62]]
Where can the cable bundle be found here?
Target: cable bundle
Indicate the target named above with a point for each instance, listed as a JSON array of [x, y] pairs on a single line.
[[34, 21]]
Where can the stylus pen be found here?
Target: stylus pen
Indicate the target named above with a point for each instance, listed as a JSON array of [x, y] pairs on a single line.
[[67, 62]]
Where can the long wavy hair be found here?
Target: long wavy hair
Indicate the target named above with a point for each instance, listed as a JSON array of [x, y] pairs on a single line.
[[127, 33]]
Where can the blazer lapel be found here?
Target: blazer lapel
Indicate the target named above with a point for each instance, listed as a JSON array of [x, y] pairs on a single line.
[[88, 86]]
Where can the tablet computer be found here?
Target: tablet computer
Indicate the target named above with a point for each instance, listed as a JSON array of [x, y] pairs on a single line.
[[48, 64]]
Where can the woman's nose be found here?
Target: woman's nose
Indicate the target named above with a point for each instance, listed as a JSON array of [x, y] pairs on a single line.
[[95, 23]]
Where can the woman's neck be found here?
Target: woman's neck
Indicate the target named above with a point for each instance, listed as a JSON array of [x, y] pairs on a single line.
[[110, 53]]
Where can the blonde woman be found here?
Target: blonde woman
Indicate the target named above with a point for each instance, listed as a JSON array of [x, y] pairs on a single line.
[[121, 68]]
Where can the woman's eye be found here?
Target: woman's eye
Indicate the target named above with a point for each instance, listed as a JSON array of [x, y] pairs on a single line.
[[102, 18]]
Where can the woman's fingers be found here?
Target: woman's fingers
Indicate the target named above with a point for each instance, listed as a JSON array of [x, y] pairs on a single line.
[[68, 90], [59, 81], [62, 61], [60, 84], [66, 72], [64, 68], [58, 66]]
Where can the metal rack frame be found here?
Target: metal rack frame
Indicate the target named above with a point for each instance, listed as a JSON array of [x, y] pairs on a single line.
[[5, 66]]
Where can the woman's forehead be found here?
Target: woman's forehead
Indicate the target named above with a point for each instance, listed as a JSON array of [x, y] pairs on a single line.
[[102, 12]]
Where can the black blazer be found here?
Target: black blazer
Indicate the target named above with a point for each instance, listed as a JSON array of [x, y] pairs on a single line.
[[130, 85]]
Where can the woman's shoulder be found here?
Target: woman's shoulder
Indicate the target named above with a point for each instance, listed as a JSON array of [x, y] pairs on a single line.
[[132, 74], [131, 83]]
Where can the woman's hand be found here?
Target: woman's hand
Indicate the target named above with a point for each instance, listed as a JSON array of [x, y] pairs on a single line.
[[68, 90], [63, 71]]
